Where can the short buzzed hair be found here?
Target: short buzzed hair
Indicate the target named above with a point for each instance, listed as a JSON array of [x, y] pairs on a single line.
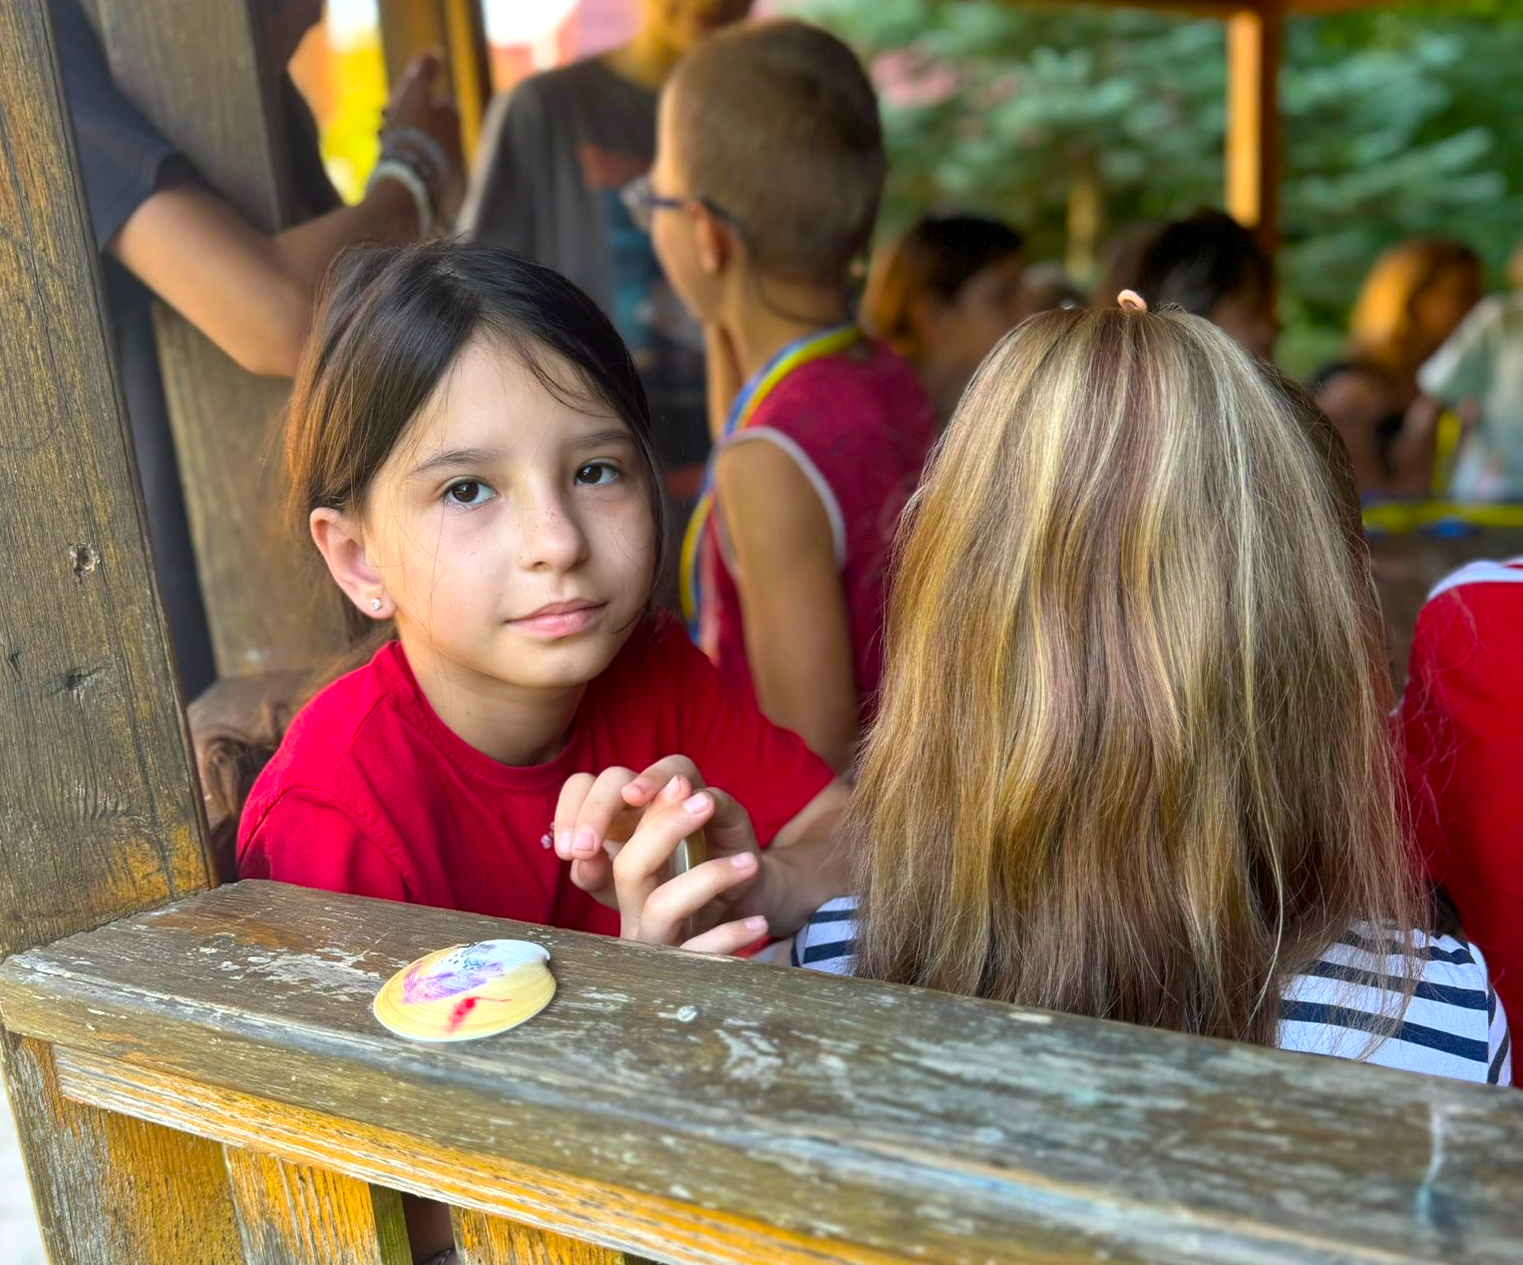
[[778, 126]]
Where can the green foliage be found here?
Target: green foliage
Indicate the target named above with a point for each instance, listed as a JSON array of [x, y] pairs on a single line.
[[1396, 123]]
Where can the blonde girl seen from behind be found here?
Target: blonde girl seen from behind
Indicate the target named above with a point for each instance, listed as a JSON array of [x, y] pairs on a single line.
[[1132, 759]]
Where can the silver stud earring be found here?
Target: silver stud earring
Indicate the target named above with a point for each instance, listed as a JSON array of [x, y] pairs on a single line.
[[375, 604]]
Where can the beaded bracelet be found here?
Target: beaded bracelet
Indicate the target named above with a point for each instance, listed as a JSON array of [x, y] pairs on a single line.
[[408, 176], [423, 147]]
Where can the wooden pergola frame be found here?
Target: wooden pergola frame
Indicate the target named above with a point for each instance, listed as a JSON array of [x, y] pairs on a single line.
[[1255, 50]]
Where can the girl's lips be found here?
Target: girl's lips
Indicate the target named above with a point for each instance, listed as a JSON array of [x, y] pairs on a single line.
[[560, 623]]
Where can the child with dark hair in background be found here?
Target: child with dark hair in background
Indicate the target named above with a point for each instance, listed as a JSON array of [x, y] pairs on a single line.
[[1206, 263], [769, 166], [943, 294]]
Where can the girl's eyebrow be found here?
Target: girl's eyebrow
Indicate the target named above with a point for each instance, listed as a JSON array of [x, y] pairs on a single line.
[[458, 457], [609, 435]]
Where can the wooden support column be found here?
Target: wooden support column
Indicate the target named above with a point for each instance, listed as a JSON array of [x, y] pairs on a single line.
[[100, 814], [1255, 49], [297, 1213], [458, 29], [486, 1240], [268, 601]]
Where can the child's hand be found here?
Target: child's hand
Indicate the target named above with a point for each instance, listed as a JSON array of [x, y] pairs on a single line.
[[656, 909], [596, 815]]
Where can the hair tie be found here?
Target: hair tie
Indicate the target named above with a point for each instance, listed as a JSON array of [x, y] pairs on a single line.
[[1132, 300]]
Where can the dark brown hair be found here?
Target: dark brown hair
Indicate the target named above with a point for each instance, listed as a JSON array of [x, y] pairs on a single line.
[[1195, 262], [779, 127], [938, 254], [390, 322]]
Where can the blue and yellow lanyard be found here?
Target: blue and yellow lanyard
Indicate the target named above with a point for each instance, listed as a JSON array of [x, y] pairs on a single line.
[[759, 386]]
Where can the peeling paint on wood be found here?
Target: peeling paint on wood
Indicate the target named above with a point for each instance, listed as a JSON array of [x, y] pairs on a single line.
[[821, 1119]]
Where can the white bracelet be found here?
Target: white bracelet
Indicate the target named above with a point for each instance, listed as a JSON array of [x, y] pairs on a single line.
[[404, 174], [432, 151]]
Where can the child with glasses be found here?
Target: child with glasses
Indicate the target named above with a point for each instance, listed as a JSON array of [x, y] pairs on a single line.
[[769, 166]]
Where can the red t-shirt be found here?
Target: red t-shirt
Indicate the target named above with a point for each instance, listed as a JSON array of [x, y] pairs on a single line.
[[860, 427], [1462, 720], [371, 794]]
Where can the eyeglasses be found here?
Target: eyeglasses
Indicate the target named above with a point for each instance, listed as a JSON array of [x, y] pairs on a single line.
[[642, 202]]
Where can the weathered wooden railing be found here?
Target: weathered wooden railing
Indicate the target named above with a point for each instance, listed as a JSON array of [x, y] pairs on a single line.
[[696, 1109]]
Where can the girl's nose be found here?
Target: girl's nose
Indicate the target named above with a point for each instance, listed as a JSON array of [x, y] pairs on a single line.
[[552, 537]]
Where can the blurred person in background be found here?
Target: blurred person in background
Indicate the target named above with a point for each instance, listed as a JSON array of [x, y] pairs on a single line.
[[164, 233], [943, 294], [1048, 287], [555, 153], [1414, 297], [1478, 372], [1206, 263]]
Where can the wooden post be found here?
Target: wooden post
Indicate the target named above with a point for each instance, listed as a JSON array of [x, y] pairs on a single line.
[[268, 601], [100, 813], [457, 28], [1255, 48]]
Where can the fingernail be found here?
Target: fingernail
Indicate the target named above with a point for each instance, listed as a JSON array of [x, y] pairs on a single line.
[[640, 786], [563, 840], [756, 924], [673, 790], [743, 860], [697, 804], [585, 843]]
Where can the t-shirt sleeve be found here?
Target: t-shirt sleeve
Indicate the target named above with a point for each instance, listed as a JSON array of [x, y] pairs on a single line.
[[499, 206], [123, 158], [1461, 369], [767, 769], [308, 839]]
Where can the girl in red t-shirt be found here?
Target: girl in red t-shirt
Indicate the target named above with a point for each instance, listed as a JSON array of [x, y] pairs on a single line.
[[470, 445]]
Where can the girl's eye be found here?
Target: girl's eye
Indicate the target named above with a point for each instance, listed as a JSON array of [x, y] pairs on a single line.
[[468, 492], [597, 474]]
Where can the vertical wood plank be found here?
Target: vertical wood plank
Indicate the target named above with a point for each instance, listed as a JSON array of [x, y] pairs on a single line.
[[470, 68], [1255, 49], [458, 29], [268, 601], [100, 814], [111, 1189], [293, 1214], [481, 1239]]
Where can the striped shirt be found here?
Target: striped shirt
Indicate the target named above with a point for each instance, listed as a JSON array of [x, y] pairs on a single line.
[[1452, 1026]]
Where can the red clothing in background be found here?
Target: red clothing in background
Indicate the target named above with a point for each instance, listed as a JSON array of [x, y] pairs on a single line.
[[1462, 719], [859, 426], [372, 795]]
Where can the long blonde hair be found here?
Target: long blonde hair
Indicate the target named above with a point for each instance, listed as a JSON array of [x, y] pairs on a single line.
[[1131, 759]]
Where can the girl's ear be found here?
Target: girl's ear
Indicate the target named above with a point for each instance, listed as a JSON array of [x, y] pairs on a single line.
[[927, 312], [342, 543]]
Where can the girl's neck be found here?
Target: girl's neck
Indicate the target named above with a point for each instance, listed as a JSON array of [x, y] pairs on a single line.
[[647, 61], [762, 329], [511, 724]]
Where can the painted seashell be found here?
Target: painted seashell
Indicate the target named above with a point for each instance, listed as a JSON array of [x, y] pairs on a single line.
[[467, 991]]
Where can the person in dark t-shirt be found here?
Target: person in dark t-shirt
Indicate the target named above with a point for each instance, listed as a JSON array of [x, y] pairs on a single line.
[[162, 232], [555, 155]]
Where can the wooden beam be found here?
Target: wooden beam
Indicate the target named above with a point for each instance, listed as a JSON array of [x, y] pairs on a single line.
[[99, 810], [269, 603], [456, 28], [293, 1212], [701, 1110], [1255, 48]]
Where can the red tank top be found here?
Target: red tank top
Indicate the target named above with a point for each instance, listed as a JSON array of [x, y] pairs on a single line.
[[860, 426]]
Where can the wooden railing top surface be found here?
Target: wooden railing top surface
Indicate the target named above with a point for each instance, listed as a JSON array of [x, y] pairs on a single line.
[[846, 1120]]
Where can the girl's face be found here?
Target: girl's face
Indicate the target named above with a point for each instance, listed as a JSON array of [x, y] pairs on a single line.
[[510, 531]]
